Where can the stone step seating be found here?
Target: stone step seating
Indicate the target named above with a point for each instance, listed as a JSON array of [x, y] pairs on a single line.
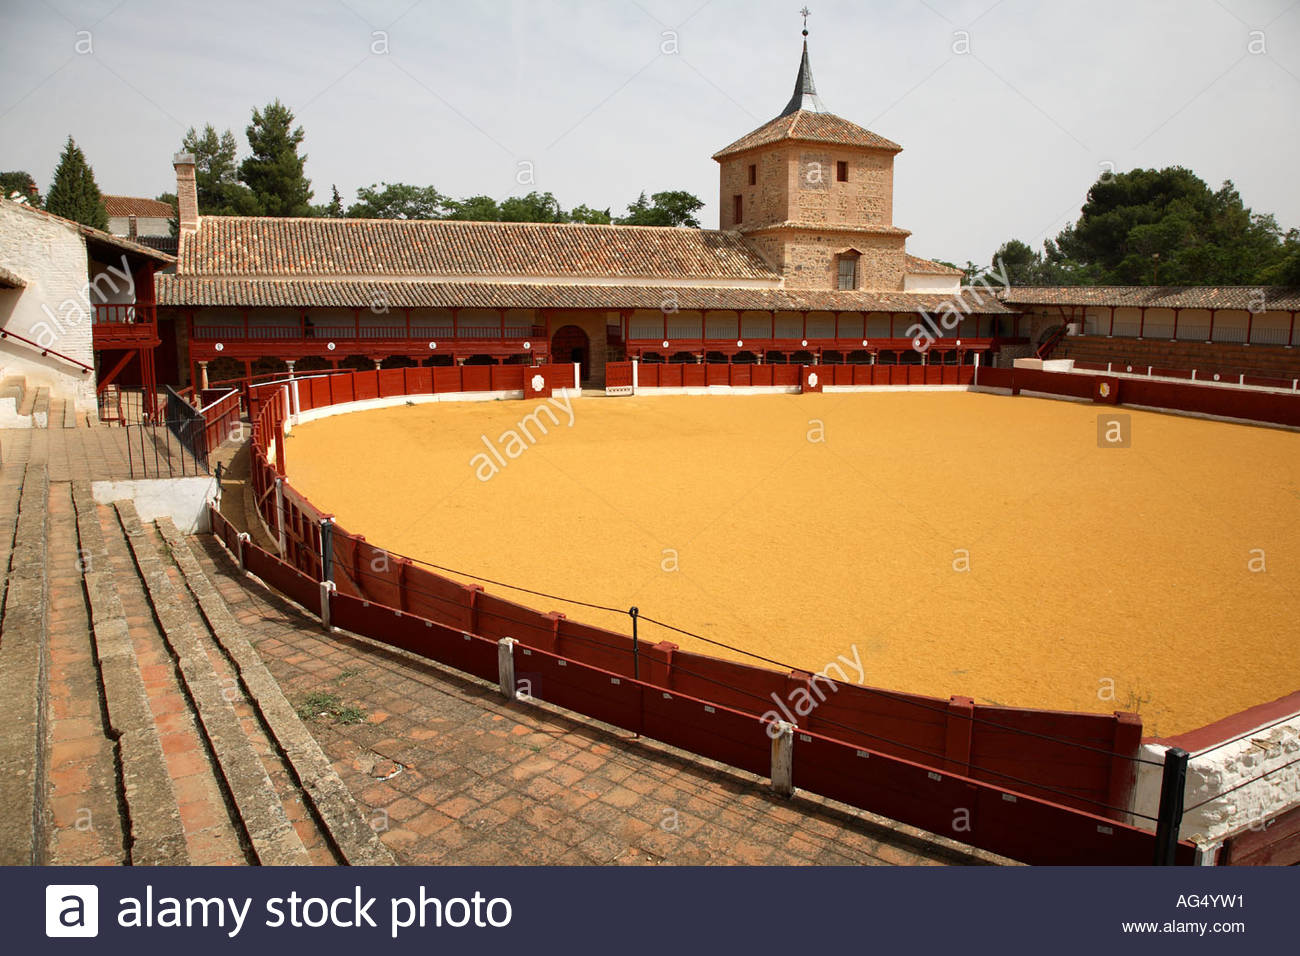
[[23, 662], [168, 741]]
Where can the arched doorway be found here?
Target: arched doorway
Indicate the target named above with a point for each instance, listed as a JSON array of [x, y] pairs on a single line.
[[571, 344]]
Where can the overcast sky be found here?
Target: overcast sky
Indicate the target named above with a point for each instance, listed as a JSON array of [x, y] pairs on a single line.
[[1003, 131]]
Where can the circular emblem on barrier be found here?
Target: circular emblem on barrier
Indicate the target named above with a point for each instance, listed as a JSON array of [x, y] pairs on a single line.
[[665, 343], [812, 380], [865, 343], [538, 383], [222, 348], [1216, 376], [1128, 368], [804, 343], [959, 342], [330, 346], [528, 345], [1104, 389], [740, 343], [433, 345]]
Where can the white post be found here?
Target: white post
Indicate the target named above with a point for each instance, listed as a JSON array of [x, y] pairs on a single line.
[[577, 376], [242, 539], [976, 380], [783, 759], [634, 376], [506, 667], [326, 589], [279, 515]]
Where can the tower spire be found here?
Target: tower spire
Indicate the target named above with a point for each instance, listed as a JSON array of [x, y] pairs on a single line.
[[805, 90]]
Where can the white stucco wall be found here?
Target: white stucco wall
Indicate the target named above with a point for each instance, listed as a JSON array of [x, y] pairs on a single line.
[[184, 500], [931, 283], [1217, 770], [51, 258], [144, 226]]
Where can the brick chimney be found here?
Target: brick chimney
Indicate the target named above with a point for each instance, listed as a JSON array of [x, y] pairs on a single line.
[[187, 193], [132, 227]]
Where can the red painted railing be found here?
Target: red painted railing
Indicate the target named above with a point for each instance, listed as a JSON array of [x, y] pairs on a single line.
[[6, 334]]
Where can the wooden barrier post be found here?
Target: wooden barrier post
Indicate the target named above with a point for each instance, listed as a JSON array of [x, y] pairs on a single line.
[[240, 540], [506, 667], [1169, 817], [783, 757]]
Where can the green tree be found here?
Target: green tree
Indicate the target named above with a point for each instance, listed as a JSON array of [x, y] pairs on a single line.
[[335, 208], [274, 171], [672, 208], [592, 217], [20, 182], [174, 223], [73, 194], [535, 207], [216, 174], [1167, 225], [474, 209], [398, 201]]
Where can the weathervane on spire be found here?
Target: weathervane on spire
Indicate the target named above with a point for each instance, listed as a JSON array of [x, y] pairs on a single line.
[[805, 13]]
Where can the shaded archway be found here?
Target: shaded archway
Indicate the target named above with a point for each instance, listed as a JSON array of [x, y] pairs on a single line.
[[571, 344]]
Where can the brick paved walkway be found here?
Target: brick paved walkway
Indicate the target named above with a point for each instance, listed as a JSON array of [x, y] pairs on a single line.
[[451, 773]]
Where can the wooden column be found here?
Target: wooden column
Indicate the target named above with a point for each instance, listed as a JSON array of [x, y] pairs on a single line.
[[1142, 322], [1210, 337], [1111, 333]]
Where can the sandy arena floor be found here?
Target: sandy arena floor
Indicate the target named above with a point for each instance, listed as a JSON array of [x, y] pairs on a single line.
[[1099, 578]]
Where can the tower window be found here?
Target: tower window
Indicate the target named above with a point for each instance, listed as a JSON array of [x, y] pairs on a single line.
[[737, 209], [848, 277], [753, 175], [842, 171]]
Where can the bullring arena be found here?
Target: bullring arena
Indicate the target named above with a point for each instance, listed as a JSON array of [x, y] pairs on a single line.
[[799, 528], [418, 540]]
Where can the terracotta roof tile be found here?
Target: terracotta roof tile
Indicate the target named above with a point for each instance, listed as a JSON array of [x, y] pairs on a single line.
[[257, 246], [810, 127], [1158, 297], [185, 291], [124, 206], [928, 267]]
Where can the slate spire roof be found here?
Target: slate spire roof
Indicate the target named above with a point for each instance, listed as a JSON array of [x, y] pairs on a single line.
[[806, 118], [805, 90]]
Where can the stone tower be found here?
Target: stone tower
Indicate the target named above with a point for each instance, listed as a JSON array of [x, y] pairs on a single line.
[[814, 194]]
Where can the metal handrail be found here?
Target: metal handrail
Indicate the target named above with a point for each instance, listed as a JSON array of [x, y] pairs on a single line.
[[6, 334]]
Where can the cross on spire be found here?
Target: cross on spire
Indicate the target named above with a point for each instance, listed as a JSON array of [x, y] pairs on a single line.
[[805, 91]]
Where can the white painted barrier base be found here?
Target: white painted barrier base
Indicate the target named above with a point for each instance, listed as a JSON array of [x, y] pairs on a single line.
[[184, 500], [1218, 769]]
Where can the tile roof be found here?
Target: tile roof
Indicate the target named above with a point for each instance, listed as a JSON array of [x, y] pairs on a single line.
[[928, 267], [1158, 297], [259, 246], [807, 126], [183, 291], [138, 206]]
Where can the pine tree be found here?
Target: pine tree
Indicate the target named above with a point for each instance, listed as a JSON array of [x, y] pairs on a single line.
[[335, 208], [274, 172], [74, 195]]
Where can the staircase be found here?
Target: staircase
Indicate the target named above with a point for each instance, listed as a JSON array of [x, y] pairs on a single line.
[[140, 725], [24, 406]]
